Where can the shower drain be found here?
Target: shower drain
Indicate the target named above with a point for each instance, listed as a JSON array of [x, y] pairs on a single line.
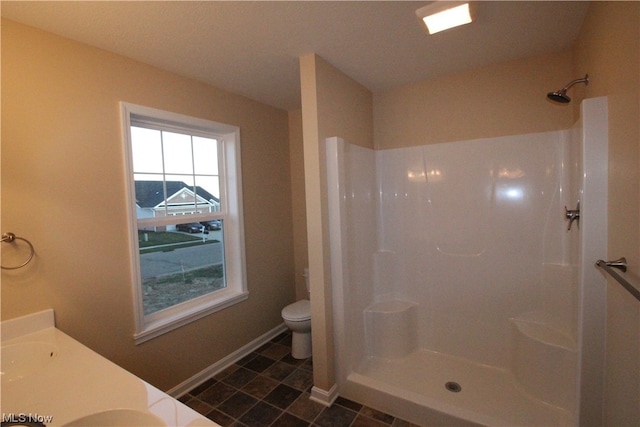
[[453, 387]]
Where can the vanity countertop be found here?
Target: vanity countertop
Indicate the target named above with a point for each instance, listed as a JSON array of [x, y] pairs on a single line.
[[49, 377]]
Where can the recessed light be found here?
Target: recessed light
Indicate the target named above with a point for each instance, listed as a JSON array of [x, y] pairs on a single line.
[[442, 15]]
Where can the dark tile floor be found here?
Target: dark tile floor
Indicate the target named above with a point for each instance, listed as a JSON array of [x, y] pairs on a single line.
[[270, 388]]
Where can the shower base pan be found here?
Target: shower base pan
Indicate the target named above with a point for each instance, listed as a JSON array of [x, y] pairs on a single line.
[[430, 388]]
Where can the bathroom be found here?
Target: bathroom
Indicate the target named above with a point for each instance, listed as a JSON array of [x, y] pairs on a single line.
[[69, 200]]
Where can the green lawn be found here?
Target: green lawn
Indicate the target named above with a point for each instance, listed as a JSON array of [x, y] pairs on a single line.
[[154, 241], [155, 238]]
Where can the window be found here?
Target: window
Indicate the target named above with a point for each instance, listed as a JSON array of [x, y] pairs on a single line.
[[186, 228]]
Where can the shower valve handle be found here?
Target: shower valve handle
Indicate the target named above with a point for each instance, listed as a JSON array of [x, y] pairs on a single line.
[[572, 215]]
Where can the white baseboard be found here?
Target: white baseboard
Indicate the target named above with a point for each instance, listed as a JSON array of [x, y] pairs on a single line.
[[324, 397], [225, 362]]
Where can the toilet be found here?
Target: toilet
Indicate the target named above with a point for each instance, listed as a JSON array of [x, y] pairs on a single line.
[[297, 317]]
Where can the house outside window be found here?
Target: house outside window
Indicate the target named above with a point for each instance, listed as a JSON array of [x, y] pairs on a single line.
[[186, 225], [180, 199]]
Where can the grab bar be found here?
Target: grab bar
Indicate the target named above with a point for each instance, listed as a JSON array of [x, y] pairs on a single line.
[[611, 268], [10, 238]]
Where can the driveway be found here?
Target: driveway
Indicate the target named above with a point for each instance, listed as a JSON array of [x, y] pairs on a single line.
[[179, 260]]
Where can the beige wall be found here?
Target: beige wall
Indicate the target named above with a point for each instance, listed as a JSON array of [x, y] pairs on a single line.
[[499, 100], [609, 49], [301, 256], [332, 105], [63, 188]]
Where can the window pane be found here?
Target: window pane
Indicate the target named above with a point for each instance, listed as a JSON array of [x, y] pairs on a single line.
[[146, 147], [205, 156], [208, 190], [150, 198], [177, 266], [180, 195], [178, 156]]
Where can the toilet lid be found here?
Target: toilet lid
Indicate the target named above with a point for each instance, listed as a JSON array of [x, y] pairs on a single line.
[[297, 311]]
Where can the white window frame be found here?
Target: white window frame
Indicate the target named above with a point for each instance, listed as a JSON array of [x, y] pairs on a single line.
[[154, 324]]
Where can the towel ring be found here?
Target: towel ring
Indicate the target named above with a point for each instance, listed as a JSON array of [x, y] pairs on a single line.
[[10, 238]]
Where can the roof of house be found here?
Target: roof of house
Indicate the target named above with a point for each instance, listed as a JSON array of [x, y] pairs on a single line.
[[151, 193]]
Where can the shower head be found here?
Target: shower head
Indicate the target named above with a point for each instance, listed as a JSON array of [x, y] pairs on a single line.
[[561, 95]]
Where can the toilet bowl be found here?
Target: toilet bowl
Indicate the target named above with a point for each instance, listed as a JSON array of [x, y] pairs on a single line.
[[297, 317]]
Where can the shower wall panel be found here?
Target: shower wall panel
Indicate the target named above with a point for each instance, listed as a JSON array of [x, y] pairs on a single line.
[[467, 228], [359, 208]]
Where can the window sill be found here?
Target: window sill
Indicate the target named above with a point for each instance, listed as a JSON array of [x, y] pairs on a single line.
[[168, 323]]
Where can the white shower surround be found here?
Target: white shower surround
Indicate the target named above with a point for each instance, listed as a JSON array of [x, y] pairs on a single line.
[[452, 262]]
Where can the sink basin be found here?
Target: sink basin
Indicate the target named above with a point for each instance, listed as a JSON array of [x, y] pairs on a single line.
[[23, 359], [118, 417]]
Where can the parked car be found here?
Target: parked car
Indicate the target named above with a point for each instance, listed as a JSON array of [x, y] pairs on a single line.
[[192, 227], [216, 224]]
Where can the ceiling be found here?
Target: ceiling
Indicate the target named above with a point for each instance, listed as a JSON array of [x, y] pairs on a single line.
[[252, 48]]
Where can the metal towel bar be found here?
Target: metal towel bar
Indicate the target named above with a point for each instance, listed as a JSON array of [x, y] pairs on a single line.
[[611, 268]]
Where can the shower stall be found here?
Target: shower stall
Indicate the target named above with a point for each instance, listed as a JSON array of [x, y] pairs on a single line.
[[462, 293]]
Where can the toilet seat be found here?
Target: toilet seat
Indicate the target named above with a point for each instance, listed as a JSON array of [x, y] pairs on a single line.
[[298, 311]]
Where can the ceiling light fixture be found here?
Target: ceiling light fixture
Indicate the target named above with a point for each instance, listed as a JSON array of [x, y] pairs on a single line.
[[442, 15]]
